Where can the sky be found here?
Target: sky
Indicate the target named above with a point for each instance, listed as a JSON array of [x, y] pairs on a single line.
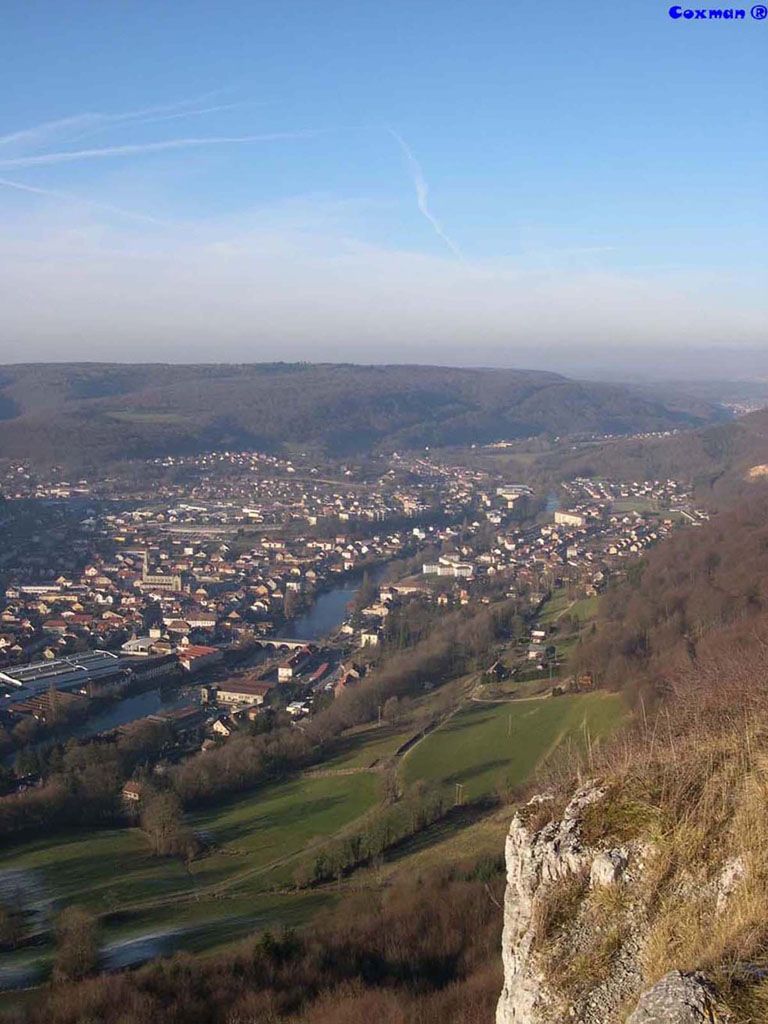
[[556, 185]]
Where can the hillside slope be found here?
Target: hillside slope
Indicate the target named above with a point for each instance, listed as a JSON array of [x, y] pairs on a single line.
[[73, 413], [637, 876], [642, 895], [720, 457]]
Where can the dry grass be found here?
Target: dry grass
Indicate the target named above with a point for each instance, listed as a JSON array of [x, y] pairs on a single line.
[[583, 956], [606, 902], [619, 818], [690, 781], [556, 905], [592, 965]]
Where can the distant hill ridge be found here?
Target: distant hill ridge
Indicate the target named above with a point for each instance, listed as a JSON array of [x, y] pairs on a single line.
[[103, 411]]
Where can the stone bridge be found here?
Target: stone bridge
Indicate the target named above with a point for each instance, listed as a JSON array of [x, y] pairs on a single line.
[[275, 642]]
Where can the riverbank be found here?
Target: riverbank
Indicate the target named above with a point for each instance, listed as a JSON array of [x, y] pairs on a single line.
[[329, 609]]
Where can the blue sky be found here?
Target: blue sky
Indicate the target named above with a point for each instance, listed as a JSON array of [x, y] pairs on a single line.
[[448, 182]]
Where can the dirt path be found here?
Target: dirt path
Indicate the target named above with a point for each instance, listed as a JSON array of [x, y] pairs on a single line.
[[328, 773], [509, 700], [215, 890], [564, 611]]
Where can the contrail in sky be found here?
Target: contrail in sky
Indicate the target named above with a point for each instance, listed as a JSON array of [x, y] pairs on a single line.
[[94, 121], [422, 193], [67, 156], [80, 199], [196, 112], [33, 135]]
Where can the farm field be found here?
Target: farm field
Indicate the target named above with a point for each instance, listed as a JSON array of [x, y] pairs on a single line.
[[111, 872], [360, 748], [483, 745]]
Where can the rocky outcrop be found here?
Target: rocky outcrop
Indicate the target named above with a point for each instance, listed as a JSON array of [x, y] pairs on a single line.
[[608, 868], [677, 999], [539, 959], [533, 859]]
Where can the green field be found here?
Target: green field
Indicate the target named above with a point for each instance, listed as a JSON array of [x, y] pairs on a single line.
[[255, 838], [361, 748], [637, 505], [584, 610], [555, 607], [207, 925], [485, 744]]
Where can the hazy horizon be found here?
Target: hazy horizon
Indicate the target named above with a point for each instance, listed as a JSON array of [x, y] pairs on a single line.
[[634, 365]]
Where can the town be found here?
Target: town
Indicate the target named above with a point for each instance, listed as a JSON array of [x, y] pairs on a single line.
[[240, 584]]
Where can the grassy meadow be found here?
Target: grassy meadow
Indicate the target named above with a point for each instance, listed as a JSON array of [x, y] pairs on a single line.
[[484, 744], [253, 837], [367, 745]]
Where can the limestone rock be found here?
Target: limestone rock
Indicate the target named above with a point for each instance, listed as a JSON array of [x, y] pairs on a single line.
[[608, 868], [677, 999], [533, 860], [731, 877]]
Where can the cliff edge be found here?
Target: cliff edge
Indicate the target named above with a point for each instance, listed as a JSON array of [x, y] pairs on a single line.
[[577, 918]]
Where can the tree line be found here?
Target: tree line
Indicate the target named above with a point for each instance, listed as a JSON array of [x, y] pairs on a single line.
[[697, 581]]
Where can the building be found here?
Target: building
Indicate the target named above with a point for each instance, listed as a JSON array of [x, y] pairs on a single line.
[[132, 792], [140, 646], [91, 671], [181, 720], [196, 657], [48, 707], [570, 518], [458, 570], [157, 581], [150, 581], [145, 669], [243, 691], [318, 674], [293, 665]]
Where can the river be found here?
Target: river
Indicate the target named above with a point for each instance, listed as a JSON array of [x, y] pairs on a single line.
[[326, 614], [329, 609], [132, 708], [553, 503]]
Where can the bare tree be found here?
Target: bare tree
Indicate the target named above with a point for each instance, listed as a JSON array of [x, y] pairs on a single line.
[[163, 822], [77, 950]]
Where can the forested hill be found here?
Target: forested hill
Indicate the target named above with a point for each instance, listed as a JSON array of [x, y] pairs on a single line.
[[95, 411], [724, 459]]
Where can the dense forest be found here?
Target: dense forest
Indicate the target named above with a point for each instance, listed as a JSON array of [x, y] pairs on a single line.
[[90, 412], [702, 589]]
